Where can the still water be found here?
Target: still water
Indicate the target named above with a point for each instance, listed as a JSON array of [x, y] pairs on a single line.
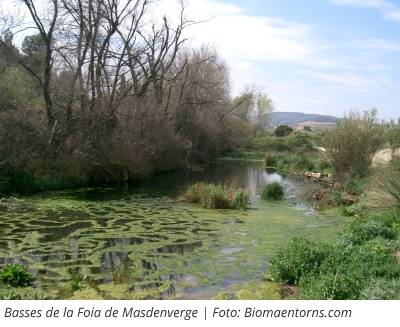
[[142, 242]]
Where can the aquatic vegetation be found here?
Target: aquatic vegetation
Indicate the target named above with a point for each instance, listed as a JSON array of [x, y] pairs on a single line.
[[25, 293], [144, 244], [241, 199], [76, 282], [272, 191], [16, 275], [217, 196]]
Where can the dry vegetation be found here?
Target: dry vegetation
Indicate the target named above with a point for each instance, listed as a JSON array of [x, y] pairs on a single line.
[[101, 94]]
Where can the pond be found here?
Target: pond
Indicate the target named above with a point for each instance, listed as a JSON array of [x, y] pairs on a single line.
[[141, 242]]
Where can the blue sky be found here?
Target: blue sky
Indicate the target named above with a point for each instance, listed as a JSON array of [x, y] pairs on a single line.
[[315, 56]]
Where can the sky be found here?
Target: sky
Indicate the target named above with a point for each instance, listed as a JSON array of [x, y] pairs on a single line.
[[312, 56]]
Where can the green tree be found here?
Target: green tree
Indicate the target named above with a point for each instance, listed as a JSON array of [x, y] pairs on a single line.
[[34, 53], [283, 130]]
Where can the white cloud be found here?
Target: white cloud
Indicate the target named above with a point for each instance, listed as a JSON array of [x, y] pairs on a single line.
[[241, 36], [387, 8], [379, 4]]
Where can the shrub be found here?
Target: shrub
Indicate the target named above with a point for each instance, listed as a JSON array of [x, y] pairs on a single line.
[[346, 271], [361, 231], [283, 130], [344, 284], [301, 257], [353, 142], [355, 210], [217, 196], [16, 275], [273, 191]]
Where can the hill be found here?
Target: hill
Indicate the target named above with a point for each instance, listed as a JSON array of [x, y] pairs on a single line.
[[299, 118]]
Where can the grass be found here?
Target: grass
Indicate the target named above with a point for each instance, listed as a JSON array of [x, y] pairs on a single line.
[[217, 196], [289, 154], [361, 264], [273, 191]]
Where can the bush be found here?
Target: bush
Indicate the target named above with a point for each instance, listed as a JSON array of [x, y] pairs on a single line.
[[283, 130], [16, 275], [217, 196], [352, 144], [360, 265], [361, 231], [355, 210], [347, 271], [273, 191], [300, 258]]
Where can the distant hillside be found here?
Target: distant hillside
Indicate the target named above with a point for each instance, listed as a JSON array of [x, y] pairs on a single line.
[[298, 118]]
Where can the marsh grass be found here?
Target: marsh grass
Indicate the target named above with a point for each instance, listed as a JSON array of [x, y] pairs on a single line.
[[16, 275], [217, 196], [273, 191]]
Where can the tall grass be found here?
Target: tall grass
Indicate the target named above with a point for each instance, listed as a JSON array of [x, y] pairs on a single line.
[[217, 196], [273, 191], [353, 142]]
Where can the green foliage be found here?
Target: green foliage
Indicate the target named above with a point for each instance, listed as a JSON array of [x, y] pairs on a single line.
[[361, 231], [26, 293], [299, 259], [241, 199], [272, 191], [355, 210], [25, 181], [283, 130], [16, 275], [34, 50], [382, 289], [352, 144], [294, 143], [360, 265], [217, 196], [76, 282]]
